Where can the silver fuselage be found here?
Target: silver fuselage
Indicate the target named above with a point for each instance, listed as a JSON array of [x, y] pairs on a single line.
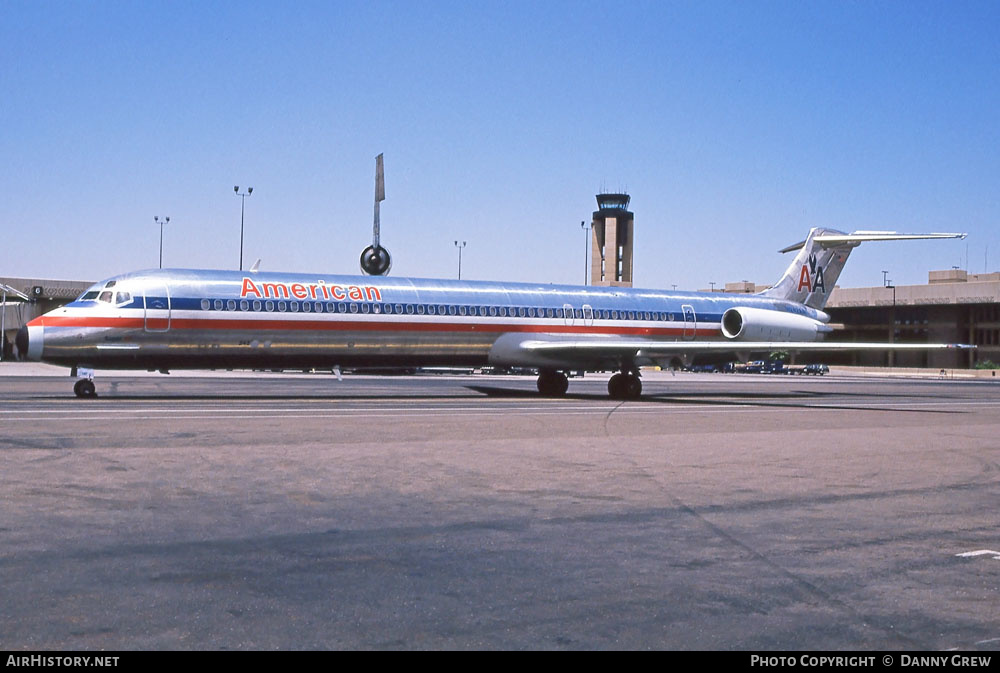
[[175, 319]]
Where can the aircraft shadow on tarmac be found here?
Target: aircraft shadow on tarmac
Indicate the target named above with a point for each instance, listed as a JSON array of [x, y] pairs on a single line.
[[805, 399], [727, 398]]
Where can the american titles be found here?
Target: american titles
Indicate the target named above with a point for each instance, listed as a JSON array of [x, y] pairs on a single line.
[[317, 290]]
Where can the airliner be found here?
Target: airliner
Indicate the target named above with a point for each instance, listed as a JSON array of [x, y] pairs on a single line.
[[166, 319]]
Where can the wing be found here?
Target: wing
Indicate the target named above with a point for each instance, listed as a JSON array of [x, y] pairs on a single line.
[[553, 350]]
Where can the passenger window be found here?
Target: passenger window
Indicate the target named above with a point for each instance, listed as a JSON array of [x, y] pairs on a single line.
[[231, 305], [269, 306], [430, 309], [306, 307], [244, 305], [409, 309], [398, 308], [442, 310], [493, 310], [342, 307], [365, 308], [331, 307], [420, 309], [451, 310], [319, 307], [205, 304], [354, 308], [282, 306], [256, 305], [218, 304], [462, 310], [388, 308]]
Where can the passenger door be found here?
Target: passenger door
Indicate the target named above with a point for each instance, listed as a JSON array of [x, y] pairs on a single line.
[[156, 307]]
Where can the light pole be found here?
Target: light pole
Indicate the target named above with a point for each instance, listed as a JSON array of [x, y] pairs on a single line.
[[892, 323], [586, 247], [460, 246], [243, 202], [156, 218], [885, 283]]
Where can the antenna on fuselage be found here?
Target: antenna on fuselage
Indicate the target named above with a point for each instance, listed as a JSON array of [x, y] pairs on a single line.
[[375, 260]]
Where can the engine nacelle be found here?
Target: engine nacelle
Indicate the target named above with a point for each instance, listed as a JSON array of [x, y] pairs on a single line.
[[758, 324], [375, 261]]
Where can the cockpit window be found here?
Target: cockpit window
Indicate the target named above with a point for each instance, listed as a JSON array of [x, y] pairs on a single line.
[[123, 298], [87, 296], [106, 296], [110, 283]]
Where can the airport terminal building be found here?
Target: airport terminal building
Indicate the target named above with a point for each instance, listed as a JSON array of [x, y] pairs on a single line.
[[953, 307]]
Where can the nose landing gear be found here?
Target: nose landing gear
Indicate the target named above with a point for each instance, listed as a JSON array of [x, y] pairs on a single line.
[[85, 388]]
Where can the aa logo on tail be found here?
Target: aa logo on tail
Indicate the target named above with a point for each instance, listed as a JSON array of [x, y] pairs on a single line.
[[811, 277]]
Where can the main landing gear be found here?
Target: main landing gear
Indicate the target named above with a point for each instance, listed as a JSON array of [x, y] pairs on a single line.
[[622, 386], [552, 383], [625, 386]]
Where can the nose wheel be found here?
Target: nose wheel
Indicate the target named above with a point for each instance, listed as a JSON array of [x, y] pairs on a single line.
[[625, 386], [85, 388]]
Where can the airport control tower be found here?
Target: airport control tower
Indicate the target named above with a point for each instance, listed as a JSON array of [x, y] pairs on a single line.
[[611, 247]]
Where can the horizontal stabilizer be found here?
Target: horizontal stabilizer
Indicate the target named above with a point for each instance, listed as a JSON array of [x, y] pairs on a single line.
[[858, 237]]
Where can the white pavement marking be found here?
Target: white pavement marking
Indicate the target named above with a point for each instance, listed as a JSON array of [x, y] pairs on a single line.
[[981, 552]]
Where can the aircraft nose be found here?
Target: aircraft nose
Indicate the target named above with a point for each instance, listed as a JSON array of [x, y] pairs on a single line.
[[21, 342]]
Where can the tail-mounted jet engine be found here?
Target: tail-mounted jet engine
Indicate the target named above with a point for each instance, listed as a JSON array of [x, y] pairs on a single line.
[[375, 260], [756, 324]]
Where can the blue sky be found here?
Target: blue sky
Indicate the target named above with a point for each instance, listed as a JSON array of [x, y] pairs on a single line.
[[735, 126]]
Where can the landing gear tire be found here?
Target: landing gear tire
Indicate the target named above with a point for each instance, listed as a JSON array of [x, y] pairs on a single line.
[[552, 384], [625, 387], [85, 388]]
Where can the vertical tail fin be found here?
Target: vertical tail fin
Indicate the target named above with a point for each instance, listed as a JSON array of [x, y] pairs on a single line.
[[813, 273]]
